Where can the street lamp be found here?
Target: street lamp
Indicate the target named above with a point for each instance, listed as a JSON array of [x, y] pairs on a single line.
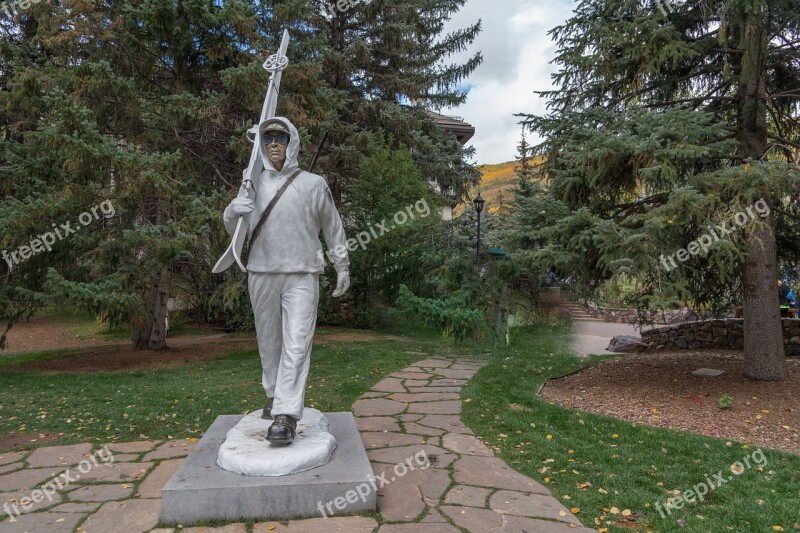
[[479, 201]]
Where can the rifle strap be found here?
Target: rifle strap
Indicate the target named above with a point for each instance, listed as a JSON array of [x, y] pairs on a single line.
[[268, 210]]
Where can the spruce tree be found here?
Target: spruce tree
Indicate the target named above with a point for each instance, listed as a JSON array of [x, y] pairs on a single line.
[[669, 118]]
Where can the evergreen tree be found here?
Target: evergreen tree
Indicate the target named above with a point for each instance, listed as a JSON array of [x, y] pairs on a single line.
[[666, 122], [385, 61], [524, 169], [114, 109]]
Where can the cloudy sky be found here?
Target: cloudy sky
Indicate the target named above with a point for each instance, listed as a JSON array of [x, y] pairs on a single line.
[[516, 55]]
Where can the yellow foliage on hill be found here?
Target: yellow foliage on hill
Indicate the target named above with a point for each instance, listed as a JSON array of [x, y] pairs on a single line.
[[497, 182]]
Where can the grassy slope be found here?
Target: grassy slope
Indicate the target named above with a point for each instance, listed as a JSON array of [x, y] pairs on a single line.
[[602, 463]]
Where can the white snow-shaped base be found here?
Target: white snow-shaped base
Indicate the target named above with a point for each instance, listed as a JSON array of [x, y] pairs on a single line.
[[246, 449]]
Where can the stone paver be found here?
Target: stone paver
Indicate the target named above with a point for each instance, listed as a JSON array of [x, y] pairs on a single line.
[[389, 385], [428, 388], [378, 423], [465, 444], [449, 423], [434, 363], [416, 429], [129, 516], [347, 524], [126, 457], [374, 394], [377, 407], [101, 493], [132, 447], [438, 457], [172, 448], [384, 439], [418, 528], [480, 520], [531, 505], [456, 374], [47, 521], [75, 507], [59, 455], [11, 457], [447, 382], [154, 483], [114, 472], [433, 517], [411, 375], [230, 528], [493, 472], [423, 396], [468, 496], [11, 467], [25, 479], [405, 497], [436, 408]]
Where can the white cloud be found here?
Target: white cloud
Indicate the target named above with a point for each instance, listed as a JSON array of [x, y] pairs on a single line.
[[517, 51]]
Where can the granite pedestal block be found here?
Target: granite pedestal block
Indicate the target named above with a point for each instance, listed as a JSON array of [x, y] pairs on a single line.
[[201, 491]]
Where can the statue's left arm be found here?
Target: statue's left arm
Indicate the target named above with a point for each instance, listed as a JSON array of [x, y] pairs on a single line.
[[333, 232]]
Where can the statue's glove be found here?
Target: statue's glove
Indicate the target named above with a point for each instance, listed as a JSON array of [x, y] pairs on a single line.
[[342, 284], [241, 206]]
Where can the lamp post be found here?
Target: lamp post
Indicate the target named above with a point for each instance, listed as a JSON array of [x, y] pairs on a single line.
[[479, 201]]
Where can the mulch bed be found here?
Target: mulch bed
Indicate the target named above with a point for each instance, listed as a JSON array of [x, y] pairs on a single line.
[[658, 389]]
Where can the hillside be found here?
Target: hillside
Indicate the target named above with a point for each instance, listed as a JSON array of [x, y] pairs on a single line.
[[497, 182]]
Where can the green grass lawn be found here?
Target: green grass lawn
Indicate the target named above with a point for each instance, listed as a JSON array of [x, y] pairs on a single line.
[[184, 401], [606, 467], [83, 325]]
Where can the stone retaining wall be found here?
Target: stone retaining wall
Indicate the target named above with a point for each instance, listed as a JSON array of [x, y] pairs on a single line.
[[723, 334], [630, 316]]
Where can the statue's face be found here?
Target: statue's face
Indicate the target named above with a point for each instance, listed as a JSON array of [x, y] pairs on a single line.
[[276, 143]]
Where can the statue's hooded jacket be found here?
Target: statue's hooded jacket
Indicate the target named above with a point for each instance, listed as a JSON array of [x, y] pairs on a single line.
[[289, 240]]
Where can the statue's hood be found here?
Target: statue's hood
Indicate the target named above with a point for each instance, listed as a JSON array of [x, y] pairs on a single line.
[[292, 151]]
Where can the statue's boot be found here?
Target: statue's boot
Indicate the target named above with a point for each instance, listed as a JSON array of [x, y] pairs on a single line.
[[282, 430], [267, 413]]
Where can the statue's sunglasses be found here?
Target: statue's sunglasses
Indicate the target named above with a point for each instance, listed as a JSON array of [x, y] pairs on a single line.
[[280, 138]]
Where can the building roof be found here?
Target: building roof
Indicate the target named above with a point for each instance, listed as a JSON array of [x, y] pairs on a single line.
[[455, 125]]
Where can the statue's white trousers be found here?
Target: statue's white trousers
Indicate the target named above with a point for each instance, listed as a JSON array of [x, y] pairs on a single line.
[[285, 310]]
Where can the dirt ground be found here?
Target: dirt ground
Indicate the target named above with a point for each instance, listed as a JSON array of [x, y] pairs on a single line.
[[658, 389], [99, 355]]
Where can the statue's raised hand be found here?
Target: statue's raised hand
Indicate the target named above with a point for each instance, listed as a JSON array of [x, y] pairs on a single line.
[[241, 206]]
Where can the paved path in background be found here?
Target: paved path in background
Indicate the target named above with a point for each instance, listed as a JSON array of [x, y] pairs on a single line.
[[589, 337], [463, 488]]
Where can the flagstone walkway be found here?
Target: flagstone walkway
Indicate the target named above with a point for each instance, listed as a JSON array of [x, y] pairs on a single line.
[[456, 485]]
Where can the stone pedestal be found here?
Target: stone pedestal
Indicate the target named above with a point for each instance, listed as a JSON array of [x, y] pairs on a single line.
[[202, 491]]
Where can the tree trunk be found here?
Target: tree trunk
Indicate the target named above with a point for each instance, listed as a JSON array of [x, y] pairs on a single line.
[[151, 333], [764, 357]]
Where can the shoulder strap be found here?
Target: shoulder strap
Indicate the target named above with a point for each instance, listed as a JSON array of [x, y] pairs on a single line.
[[268, 210]]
